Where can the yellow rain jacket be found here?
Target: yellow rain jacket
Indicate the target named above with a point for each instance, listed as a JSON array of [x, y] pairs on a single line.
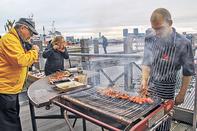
[[14, 62]]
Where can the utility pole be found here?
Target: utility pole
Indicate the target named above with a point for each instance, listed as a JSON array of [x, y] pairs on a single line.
[[53, 28]]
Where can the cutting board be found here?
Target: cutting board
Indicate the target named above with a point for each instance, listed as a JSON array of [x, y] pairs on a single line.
[[67, 86]]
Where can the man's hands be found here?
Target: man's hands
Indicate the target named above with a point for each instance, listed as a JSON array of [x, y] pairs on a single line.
[[181, 95], [179, 98], [143, 89], [144, 84], [35, 47]]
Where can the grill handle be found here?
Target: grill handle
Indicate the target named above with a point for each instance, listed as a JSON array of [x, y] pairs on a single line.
[[168, 108], [168, 105], [160, 121]]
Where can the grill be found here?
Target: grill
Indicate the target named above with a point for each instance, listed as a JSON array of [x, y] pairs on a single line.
[[117, 113]]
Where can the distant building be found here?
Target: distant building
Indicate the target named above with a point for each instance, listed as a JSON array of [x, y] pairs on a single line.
[[135, 31], [133, 41], [99, 34], [70, 39], [125, 32]]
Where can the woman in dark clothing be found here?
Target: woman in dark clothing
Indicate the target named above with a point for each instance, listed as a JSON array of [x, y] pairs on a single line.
[[55, 53]]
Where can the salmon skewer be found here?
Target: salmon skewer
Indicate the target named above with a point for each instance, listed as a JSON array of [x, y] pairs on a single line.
[[116, 94]]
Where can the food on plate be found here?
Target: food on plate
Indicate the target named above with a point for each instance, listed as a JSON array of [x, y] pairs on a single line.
[[38, 75], [59, 76]]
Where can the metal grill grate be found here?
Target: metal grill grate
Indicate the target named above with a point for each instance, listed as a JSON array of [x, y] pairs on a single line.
[[122, 110]]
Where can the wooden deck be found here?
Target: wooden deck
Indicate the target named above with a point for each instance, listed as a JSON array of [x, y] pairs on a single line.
[[50, 124], [176, 126]]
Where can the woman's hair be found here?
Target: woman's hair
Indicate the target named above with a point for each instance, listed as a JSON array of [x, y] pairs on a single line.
[[57, 39]]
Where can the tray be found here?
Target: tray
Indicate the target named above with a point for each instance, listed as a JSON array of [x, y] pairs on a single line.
[[67, 86]]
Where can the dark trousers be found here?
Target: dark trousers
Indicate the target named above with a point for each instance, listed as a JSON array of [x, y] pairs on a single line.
[[105, 49], [9, 113]]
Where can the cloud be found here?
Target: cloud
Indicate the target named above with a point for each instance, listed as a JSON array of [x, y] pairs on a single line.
[[94, 14]]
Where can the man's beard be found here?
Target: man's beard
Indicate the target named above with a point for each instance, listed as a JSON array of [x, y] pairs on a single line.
[[165, 34]]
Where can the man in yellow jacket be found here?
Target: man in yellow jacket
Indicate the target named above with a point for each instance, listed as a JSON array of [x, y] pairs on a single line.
[[14, 61]]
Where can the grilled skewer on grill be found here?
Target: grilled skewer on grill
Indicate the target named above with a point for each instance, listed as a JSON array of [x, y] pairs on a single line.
[[116, 94]]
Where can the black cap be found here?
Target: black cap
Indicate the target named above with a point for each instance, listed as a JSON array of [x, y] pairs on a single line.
[[29, 23]]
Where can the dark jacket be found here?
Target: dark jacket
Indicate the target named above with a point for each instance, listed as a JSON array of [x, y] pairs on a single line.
[[105, 42], [55, 59]]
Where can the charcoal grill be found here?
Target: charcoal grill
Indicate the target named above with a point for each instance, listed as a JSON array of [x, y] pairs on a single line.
[[113, 113]]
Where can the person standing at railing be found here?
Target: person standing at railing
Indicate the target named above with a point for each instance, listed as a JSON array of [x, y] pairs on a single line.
[[55, 53], [104, 43], [165, 53], [14, 61]]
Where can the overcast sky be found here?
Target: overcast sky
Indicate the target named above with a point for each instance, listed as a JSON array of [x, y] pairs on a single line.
[[86, 16]]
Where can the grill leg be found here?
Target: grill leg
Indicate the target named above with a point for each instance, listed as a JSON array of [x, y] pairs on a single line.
[[102, 128], [61, 111], [84, 124], [33, 119], [74, 122], [67, 121]]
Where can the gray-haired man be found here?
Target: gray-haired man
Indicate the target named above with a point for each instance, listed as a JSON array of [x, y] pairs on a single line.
[[14, 62]]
